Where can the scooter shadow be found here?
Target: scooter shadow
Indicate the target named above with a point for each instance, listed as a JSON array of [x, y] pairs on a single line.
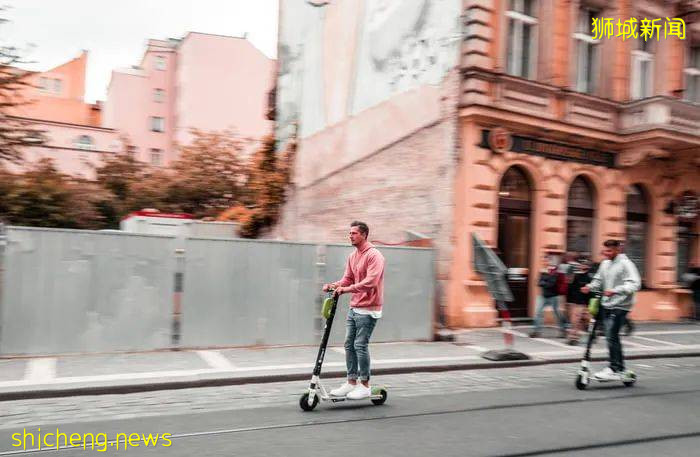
[[327, 407]]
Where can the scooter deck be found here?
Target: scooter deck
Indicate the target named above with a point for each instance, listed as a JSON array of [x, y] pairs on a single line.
[[338, 399], [375, 395], [626, 377]]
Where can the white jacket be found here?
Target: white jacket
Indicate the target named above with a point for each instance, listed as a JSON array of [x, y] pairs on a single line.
[[621, 276]]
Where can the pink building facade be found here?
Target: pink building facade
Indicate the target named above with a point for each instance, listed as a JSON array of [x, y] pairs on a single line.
[[54, 104], [74, 149], [205, 82]]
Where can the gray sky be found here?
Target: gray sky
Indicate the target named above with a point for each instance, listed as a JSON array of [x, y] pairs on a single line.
[[115, 31]]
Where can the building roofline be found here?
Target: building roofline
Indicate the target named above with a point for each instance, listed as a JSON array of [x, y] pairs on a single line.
[[68, 124], [244, 38]]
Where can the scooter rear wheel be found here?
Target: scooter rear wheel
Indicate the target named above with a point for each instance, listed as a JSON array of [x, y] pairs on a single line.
[[304, 402], [631, 380], [380, 401], [580, 385]]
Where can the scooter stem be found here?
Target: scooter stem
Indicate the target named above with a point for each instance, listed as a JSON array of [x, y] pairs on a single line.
[[326, 335]]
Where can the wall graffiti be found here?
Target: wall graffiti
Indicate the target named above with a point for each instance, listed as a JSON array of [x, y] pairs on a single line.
[[347, 56]]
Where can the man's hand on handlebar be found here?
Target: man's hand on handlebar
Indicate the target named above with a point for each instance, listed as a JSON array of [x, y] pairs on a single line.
[[340, 291]]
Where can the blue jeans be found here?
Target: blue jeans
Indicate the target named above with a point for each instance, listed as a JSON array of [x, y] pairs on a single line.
[[614, 319], [542, 303], [358, 329]]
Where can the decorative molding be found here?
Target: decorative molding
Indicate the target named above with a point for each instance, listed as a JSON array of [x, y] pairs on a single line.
[[632, 157]]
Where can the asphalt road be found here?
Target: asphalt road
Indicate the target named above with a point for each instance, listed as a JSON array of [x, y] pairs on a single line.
[[500, 412]]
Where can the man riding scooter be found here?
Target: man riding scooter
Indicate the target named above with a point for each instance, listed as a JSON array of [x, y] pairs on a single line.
[[618, 280]]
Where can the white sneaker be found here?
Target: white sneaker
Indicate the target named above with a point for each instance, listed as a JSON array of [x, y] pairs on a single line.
[[359, 392], [606, 374], [343, 390]]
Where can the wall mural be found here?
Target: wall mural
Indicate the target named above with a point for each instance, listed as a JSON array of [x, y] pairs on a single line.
[[345, 56]]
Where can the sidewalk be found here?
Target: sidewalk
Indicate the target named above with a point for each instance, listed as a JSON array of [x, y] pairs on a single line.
[[89, 374]]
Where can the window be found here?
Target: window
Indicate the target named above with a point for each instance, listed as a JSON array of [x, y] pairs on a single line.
[[57, 86], [588, 52], [643, 69], [522, 38], [160, 63], [637, 227], [687, 212], [156, 157], [692, 75], [157, 124], [580, 216], [85, 142], [44, 84], [514, 218], [684, 246], [158, 95], [515, 185]]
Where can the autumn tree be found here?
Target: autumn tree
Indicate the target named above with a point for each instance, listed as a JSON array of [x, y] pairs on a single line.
[[44, 197], [128, 185], [210, 174], [269, 174]]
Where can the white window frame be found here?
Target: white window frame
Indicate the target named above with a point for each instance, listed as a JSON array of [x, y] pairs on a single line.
[[692, 72], [160, 63], [520, 19], [158, 95], [44, 84], [582, 39], [85, 146], [157, 124], [155, 152], [57, 85], [638, 59]]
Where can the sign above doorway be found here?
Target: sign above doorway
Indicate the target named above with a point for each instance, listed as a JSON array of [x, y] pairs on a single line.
[[500, 140]]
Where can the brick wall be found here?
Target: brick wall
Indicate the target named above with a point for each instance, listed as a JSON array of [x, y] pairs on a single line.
[[406, 185]]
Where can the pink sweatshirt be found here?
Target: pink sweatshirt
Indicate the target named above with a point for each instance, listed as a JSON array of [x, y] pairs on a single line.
[[364, 273]]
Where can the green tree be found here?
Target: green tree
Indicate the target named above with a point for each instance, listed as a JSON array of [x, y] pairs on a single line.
[[15, 133]]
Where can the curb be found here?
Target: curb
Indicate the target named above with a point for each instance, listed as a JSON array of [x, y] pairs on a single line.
[[264, 379]]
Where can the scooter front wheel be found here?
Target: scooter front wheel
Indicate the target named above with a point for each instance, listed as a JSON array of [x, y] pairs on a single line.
[[380, 401], [304, 402], [580, 385]]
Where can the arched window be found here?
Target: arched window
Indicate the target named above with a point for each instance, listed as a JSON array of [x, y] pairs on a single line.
[[514, 208], [85, 142], [514, 185], [580, 216], [637, 226]]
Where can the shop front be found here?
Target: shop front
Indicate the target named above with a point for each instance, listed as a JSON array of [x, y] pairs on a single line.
[[529, 193]]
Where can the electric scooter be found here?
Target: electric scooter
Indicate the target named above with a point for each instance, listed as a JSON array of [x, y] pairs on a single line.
[[584, 376], [310, 399]]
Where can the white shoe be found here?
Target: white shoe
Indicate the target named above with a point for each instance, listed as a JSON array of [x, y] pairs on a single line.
[[343, 390], [606, 374], [359, 392]]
